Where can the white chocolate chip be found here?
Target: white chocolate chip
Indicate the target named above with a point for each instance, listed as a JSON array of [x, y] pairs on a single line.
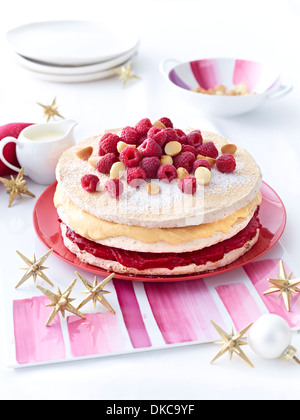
[[152, 188], [182, 173], [166, 160], [121, 145], [203, 175], [173, 148], [93, 161], [159, 124], [85, 153], [117, 170], [229, 149]]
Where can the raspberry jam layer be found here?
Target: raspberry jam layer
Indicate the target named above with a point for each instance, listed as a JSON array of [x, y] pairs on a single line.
[[146, 260]]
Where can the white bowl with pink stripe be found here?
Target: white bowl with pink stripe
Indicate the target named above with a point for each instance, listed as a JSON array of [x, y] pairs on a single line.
[[262, 79]]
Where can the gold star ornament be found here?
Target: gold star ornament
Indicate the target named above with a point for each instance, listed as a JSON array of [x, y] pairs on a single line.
[[125, 73], [232, 343], [61, 302], [50, 111], [16, 186], [284, 285], [95, 292], [35, 268]]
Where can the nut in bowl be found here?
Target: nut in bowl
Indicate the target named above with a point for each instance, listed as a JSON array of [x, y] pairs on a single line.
[[224, 87]]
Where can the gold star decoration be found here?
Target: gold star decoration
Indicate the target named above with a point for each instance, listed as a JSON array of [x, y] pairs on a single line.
[[284, 285], [50, 111], [61, 302], [35, 268], [96, 292], [231, 343], [16, 186], [125, 73]]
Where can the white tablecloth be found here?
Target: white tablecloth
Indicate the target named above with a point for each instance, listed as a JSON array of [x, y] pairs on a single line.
[[190, 29]]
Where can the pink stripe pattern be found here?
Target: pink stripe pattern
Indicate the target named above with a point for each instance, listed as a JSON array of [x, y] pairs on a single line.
[[34, 342], [247, 72], [183, 311], [258, 273], [99, 334], [205, 73], [132, 314], [239, 304]]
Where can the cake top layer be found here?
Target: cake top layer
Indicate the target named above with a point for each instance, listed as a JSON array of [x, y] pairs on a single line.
[[224, 194]]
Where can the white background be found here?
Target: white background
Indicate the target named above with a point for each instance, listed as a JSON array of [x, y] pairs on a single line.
[[190, 29]]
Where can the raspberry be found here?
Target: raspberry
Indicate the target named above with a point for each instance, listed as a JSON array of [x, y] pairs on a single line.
[[106, 162], [158, 134], [135, 176], [182, 136], [188, 148], [166, 122], [101, 151], [226, 163], [202, 162], [167, 173], [130, 135], [171, 135], [150, 166], [143, 126], [108, 143], [194, 138], [188, 185], [153, 130], [208, 149], [89, 182], [114, 187], [141, 140], [184, 160], [150, 148], [160, 137], [130, 156]]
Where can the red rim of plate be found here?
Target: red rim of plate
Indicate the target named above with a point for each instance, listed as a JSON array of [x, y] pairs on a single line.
[[47, 228]]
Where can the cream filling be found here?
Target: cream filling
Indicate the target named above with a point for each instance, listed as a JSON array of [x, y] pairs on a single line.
[[182, 270], [95, 229], [131, 244]]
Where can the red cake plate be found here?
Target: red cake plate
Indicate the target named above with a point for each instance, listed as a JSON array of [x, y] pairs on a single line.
[[272, 216]]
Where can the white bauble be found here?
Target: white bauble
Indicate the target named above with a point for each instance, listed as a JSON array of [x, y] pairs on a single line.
[[270, 336]]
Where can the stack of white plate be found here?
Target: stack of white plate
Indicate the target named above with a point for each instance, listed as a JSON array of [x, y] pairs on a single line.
[[72, 51]]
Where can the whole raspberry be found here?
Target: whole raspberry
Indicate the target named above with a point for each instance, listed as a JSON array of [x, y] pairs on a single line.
[[130, 156], [167, 173], [150, 148], [89, 182], [108, 143], [135, 176], [226, 163], [188, 185], [194, 138], [114, 187], [143, 126], [130, 135], [188, 148], [150, 166], [153, 130], [166, 122], [105, 163], [202, 162], [208, 149], [184, 160], [160, 138], [171, 135], [182, 136]]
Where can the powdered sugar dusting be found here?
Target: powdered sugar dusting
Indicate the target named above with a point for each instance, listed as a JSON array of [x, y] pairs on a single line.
[[170, 208]]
